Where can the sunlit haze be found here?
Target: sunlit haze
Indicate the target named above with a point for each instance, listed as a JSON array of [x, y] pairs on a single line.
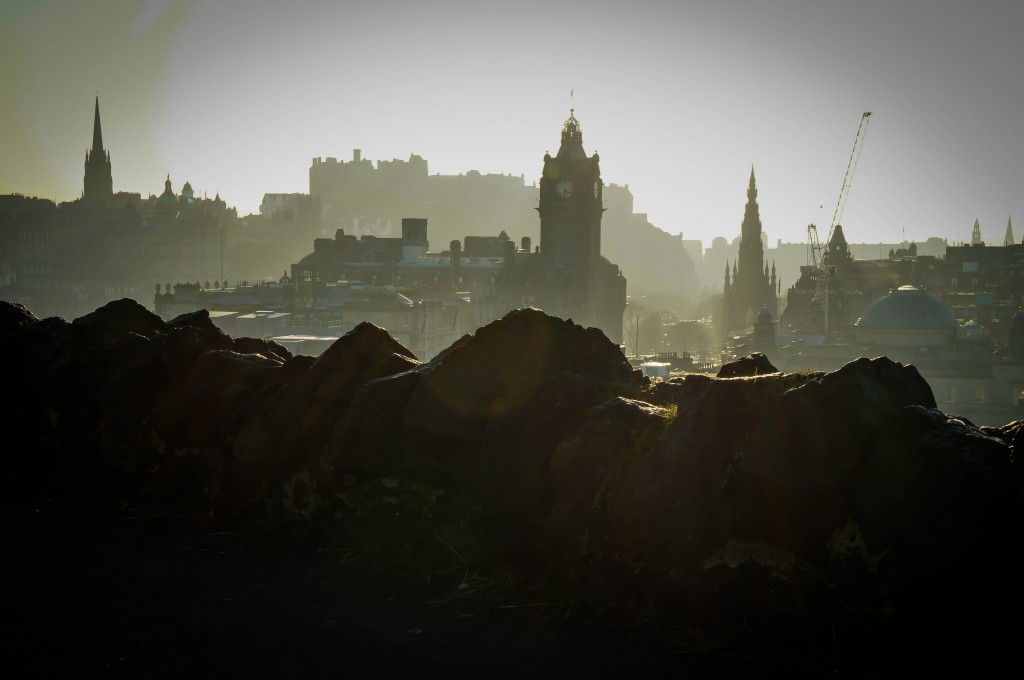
[[679, 98]]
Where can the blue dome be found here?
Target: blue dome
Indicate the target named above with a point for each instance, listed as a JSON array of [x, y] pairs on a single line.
[[908, 308]]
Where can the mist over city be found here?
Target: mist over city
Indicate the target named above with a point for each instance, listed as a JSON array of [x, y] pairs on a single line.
[[679, 98], [618, 340]]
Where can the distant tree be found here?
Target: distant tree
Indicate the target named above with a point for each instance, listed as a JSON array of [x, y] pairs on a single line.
[[652, 338], [688, 336]]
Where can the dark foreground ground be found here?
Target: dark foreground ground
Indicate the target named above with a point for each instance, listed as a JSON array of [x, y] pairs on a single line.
[[173, 598]]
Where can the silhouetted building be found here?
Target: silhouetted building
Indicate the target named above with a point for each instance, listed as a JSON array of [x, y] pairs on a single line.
[[98, 186], [977, 281], [367, 200], [69, 259], [592, 290], [429, 299]]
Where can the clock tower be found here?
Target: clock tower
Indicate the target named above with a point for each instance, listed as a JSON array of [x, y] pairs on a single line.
[[569, 277], [571, 208]]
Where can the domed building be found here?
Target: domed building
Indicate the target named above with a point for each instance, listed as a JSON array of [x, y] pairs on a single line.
[[969, 377], [187, 200], [167, 204], [908, 317]]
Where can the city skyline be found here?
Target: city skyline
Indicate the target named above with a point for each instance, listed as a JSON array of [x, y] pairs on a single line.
[[679, 100]]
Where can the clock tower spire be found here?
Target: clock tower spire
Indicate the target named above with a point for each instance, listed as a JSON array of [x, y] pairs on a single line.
[[567, 275], [571, 203], [582, 284]]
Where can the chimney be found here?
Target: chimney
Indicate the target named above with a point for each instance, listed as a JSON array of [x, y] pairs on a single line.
[[456, 261]]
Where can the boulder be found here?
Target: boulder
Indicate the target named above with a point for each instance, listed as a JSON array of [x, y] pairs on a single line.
[[15, 316], [747, 367], [487, 413], [293, 428]]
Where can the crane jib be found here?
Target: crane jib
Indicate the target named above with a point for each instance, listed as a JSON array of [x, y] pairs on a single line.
[[820, 273]]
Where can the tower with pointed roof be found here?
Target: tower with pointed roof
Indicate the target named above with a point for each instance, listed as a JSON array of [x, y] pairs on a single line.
[[571, 278], [167, 204], [98, 185], [752, 285], [976, 234], [1008, 239], [570, 203]]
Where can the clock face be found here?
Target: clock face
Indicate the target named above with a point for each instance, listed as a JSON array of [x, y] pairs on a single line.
[[564, 188]]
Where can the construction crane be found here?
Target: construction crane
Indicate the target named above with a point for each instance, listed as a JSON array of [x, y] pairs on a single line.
[[819, 268]]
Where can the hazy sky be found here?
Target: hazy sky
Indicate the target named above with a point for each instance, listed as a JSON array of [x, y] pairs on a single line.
[[679, 98]]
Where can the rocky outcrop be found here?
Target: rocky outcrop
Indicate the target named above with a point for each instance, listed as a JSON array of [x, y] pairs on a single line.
[[787, 504], [747, 366]]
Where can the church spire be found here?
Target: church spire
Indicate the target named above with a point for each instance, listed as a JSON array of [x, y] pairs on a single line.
[[97, 185], [976, 233], [1008, 239], [97, 130], [752, 186]]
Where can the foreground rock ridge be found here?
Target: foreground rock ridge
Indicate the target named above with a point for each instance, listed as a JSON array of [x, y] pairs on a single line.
[[783, 505]]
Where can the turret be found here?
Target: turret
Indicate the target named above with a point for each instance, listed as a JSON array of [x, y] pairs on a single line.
[[976, 234]]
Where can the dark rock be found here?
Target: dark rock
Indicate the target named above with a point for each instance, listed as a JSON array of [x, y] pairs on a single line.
[[746, 459], [267, 348], [780, 506], [747, 367], [15, 316], [115, 319], [369, 437], [935, 498], [489, 411], [293, 428], [592, 526], [185, 343]]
